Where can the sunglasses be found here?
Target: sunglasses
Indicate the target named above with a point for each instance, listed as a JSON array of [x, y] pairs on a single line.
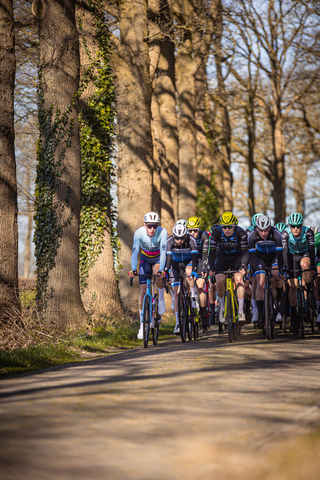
[[151, 225], [180, 238], [193, 230], [227, 227], [296, 226]]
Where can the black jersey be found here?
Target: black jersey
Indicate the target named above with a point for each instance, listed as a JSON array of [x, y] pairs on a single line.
[[203, 244], [182, 253], [272, 245], [236, 244]]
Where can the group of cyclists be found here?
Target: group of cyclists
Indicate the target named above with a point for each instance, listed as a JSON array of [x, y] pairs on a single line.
[[205, 256]]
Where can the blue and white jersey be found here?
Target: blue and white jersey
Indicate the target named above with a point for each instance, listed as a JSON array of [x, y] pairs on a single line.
[[272, 244], [182, 253], [151, 247]]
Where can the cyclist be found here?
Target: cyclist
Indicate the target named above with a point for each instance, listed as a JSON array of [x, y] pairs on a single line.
[[298, 252], [255, 314], [280, 226], [202, 239], [181, 249], [181, 221], [153, 242], [317, 246], [229, 246], [265, 250]]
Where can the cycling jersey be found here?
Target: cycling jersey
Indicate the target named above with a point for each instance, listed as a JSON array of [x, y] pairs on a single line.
[[203, 243], [151, 247], [271, 246], [250, 229], [298, 245], [236, 244], [317, 245], [182, 253]]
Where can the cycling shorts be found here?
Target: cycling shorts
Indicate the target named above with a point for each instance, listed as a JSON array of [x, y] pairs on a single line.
[[223, 262], [175, 272], [294, 263], [265, 261], [145, 267]]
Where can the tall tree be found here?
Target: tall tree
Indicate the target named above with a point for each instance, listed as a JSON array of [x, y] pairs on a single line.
[[59, 169], [8, 185]]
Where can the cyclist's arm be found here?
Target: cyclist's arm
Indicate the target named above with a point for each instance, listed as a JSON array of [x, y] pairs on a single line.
[[205, 250], [244, 248], [163, 248], [279, 247], [213, 248], [310, 237], [252, 249], [135, 250], [169, 254], [194, 254], [286, 253]]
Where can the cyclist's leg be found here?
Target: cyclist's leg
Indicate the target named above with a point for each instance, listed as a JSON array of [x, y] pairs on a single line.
[[159, 283], [260, 276], [192, 284], [305, 263], [174, 279], [203, 302], [239, 284], [212, 301], [317, 292], [278, 293], [221, 265], [144, 270]]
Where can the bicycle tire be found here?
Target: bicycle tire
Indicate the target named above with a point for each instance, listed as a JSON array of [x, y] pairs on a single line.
[[196, 329], [301, 313], [155, 329], [267, 313], [182, 313], [229, 319], [190, 319], [312, 322], [272, 317], [146, 321]]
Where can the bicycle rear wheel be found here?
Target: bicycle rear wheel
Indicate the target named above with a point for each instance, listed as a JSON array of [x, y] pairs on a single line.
[[146, 321], [182, 313], [190, 319], [155, 329], [267, 313]]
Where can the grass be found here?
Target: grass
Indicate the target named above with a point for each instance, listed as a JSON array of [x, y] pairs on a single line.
[[100, 340]]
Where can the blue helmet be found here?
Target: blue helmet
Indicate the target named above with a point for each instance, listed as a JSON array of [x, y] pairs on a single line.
[[254, 218], [295, 219], [280, 226]]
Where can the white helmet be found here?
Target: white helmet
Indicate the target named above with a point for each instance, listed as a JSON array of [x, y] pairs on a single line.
[[151, 217], [179, 231], [263, 222], [181, 222]]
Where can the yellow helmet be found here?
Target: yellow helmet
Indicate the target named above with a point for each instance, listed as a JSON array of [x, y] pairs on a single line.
[[227, 218], [193, 222]]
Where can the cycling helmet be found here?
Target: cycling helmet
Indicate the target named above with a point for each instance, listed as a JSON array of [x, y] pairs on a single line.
[[280, 226], [227, 218], [151, 217], [254, 218], [181, 222], [179, 231], [317, 230], [295, 219], [263, 222], [193, 222]]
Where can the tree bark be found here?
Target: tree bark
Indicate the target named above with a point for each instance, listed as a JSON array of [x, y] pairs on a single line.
[[8, 183], [27, 245], [59, 60], [101, 295], [225, 150], [135, 165]]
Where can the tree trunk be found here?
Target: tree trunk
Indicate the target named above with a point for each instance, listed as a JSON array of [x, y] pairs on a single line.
[[166, 95], [185, 77], [101, 295], [250, 120], [135, 165], [225, 142], [8, 183], [59, 61], [27, 245]]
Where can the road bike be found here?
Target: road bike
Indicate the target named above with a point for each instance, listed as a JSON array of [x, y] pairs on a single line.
[[270, 307], [150, 315], [186, 313], [230, 307], [306, 314]]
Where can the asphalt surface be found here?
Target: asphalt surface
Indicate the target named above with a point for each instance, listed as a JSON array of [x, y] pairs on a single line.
[[200, 410]]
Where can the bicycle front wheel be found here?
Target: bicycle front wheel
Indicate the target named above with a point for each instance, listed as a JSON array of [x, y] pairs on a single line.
[[267, 313], [190, 319], [182, 313], [155, 329], [146, 321], [229, 318]]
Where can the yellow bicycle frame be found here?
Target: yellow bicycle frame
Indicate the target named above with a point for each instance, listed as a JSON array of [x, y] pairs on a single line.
[[234, 303]]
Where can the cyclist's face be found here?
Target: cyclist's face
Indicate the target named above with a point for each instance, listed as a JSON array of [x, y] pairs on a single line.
[[296, 230], [194, 232], [264, 233], [151, 229], [228, 230], [180, 240]]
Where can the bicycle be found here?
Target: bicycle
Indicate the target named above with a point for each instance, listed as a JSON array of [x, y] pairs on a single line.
[[150, 316], [305, 313], [270, 309], [186, 313], [231, 307]]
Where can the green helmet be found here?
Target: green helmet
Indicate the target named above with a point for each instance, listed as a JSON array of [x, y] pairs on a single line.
[[254, 218], [280, 226], [295, 219]]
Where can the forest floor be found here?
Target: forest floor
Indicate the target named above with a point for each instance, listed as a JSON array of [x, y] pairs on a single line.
[[200, 410]]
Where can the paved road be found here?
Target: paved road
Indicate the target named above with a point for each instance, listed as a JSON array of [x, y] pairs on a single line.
[[199, 410]]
